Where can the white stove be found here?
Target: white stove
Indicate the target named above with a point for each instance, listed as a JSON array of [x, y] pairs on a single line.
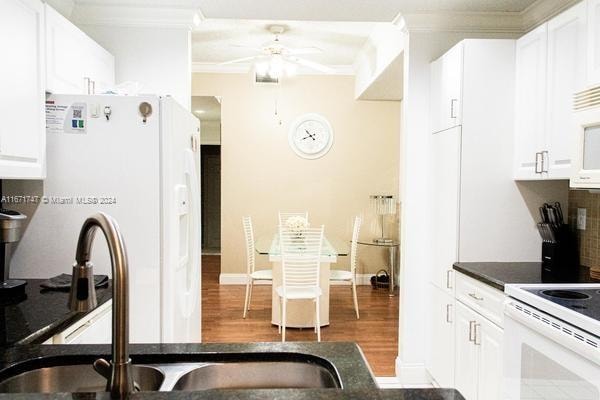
[[552, 342]]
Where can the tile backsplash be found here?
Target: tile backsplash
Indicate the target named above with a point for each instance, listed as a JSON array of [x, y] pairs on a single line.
[[589, 239]]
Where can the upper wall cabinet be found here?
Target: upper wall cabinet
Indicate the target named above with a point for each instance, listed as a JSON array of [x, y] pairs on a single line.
[[550, 69], [593, 42], [76, 63], [530, 102], [446, 90], [23, 128]]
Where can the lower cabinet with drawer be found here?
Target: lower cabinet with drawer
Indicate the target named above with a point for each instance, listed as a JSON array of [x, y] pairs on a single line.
[[466, 333], [94, 328], [478, 361]]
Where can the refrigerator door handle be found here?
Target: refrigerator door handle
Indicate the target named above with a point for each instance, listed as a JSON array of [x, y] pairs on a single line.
[[193, 262]]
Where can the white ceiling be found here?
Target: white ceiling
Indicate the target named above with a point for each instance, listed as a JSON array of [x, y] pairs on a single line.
[[320, 10], [210, 106], [348, 10], [219, 40]]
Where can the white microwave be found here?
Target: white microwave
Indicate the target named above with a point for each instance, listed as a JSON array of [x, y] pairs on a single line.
[[586, 172]]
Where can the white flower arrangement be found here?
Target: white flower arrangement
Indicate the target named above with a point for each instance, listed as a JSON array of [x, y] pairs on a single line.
[[297, 223]]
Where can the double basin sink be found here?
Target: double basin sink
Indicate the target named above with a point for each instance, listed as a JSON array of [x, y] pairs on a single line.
[[310, 372]]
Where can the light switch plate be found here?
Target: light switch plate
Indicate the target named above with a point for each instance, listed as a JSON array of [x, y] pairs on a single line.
[[581, 218]]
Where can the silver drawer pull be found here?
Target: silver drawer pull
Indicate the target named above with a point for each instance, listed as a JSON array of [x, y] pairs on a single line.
[[449, 279], [472, 331], [476, 336], [448, 313], [474, 295]]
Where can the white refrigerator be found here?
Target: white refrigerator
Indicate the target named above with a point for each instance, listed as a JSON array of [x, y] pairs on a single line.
[[136, 158]]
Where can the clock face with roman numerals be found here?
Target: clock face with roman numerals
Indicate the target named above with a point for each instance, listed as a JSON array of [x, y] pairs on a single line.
[[310, 136]]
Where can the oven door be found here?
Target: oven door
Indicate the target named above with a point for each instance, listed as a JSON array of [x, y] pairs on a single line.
[[544, 358], [587, 158]]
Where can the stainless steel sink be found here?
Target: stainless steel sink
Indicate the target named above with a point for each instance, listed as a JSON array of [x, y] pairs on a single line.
[[75, 378], [180, 376], [257, 375]]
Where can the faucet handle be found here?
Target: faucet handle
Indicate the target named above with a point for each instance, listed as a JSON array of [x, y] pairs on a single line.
[[82, 296], [102, 367]]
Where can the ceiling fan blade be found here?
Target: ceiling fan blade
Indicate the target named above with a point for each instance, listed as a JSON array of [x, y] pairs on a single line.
[[304, 51], [239, 60], [312, 65]]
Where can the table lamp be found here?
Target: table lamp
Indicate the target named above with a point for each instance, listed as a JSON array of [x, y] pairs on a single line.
[[383, 205]]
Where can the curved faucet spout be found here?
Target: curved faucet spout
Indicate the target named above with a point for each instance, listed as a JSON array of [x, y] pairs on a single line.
[[121, 382]]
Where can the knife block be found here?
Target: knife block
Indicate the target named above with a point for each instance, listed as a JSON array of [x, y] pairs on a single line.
[[560, 259]]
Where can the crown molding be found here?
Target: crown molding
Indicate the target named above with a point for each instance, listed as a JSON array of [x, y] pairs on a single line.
[[132, 16], [487, 22], [244, 68], [543, 10], [464, 22]]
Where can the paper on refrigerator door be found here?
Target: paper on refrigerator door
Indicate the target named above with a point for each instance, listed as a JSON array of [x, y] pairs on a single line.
[[66, 118]]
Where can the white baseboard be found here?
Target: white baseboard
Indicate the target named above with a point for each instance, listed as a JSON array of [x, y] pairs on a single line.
[[240, 279], [412, 374]]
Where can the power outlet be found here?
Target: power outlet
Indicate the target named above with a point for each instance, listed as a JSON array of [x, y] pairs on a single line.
[[581, 218]]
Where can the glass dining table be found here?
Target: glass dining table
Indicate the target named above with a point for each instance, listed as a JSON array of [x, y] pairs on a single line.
[[300, 313]]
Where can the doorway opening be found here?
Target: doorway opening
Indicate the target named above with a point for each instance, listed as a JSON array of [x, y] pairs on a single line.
[[208, 111]]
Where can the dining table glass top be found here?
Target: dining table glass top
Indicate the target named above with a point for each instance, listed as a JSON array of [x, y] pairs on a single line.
[[332, 246]]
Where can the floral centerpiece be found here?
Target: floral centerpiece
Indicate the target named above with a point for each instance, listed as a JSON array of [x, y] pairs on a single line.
[[297, 224]]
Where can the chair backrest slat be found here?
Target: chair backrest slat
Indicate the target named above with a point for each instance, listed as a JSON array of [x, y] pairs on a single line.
[[354, 245], [250, 249], [300, 256]]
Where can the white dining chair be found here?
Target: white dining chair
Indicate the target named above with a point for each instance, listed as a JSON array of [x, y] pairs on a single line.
[[252, 274], [300, 266], [341, 275], [283, 216]]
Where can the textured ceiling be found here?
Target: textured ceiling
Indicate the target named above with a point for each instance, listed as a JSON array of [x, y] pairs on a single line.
[[216, 41], [335, 10]]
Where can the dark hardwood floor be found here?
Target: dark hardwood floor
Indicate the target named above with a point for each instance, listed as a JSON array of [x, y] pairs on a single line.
[[376, 331]]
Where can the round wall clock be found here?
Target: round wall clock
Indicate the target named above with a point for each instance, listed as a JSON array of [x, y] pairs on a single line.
[[310, 136]]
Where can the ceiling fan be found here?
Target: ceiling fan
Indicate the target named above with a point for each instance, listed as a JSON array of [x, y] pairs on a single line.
[[274, 58]]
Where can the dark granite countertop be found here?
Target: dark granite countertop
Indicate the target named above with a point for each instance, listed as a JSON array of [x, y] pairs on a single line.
[[498, 274], [347, 358], [39, 316]]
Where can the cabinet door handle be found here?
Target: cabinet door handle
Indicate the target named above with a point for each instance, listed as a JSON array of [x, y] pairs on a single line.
[[474, 295], [93, 87], [544, 159], [472, 331], [449, 279], [476, 335], [86, 83], [452, 102], [448, 313], [538, 163]]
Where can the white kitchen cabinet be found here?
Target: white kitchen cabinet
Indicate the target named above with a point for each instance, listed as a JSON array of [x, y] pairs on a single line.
[[566, 76], [530, 102], [593, 43], [479, 336], [551, 67], [446, 90], [23, 127], [94, 328], [76, 63], [445, 149], [489, 375], [466, 365], [440, 359], [478, 355]]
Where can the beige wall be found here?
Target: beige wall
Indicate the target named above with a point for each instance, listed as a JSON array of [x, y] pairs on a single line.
[[210, 132], [262, 175]]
